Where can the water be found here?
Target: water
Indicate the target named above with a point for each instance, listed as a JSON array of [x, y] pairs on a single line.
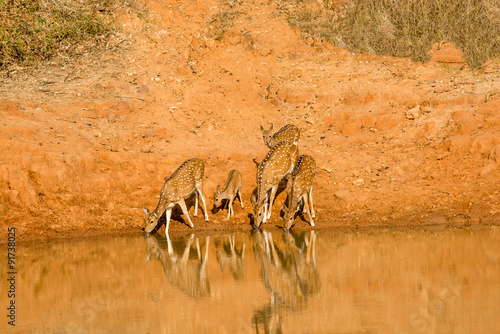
[[426, 280]]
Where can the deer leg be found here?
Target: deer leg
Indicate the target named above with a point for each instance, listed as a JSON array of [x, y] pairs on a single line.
[[241, 198], [182, 204], [265, 212], [168, 213], [308, 209], [313, 214], [195, 214], [230, 207], [274, 189], [202, 202]]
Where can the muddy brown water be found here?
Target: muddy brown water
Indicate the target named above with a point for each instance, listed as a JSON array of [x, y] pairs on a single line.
[[420, 280]]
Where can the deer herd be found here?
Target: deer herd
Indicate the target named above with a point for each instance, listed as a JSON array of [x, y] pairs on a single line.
[[281, 164]]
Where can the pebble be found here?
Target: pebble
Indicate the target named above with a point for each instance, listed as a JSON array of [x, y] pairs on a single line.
[[149, 133], [343, 194], [359, 182]]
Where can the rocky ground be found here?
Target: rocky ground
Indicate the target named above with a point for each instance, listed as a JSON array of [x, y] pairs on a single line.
[[86, 145]]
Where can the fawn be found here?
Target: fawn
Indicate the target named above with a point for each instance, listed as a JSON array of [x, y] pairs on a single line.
[[188, 178], [288, 133], [232, 189], [278, 163], [299, 187]]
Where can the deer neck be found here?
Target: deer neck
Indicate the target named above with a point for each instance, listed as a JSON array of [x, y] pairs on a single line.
[[165, 201]]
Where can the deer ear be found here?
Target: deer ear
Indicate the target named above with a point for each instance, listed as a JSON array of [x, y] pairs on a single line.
[[218, 190], [146, 211], [261, 128]]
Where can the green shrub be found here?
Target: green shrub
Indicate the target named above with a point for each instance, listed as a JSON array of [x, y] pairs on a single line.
[[38, 30]]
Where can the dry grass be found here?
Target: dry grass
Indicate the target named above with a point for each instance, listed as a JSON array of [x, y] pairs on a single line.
[[224, 19], [34, 31], [402, 28]]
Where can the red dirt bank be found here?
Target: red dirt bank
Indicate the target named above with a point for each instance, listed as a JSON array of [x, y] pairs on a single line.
[[85, 146]]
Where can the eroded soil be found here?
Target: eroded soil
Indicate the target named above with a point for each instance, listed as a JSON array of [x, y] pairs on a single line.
[[85, 146]]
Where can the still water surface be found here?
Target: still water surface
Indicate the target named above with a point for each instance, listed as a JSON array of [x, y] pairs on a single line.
[[426, 280]]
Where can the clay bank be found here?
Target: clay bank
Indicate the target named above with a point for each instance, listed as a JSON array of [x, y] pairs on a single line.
[[85, 146]]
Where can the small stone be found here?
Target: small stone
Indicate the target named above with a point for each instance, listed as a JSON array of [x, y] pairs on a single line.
[[146, 149], [343, 194], [144, 89], [111, 117], [149, 133], [359, 182], [328, 170], [413, 113]]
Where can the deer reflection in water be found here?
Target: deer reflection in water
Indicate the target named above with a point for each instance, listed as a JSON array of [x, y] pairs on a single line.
[[232, 258], [189, 276], [291, 276]]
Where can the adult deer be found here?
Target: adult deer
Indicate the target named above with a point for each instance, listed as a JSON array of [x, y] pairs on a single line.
[[186, 180], [299, 188], [278, 163], [289, 133]]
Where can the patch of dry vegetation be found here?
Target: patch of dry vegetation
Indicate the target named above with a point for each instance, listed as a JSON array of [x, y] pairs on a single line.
[[33, 31], [401, 28], [224, 19]]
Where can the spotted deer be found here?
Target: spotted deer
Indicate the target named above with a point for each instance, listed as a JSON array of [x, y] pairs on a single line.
[[288, 133], [232, 189], [299, 188], [278, 163], [187, 179]]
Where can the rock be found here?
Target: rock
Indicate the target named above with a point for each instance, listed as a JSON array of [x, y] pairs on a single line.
[[10, 109], [488, 169], [491, 66], [495, 153], [149, 133], [147, 149], [387, 122], [359, 182], [414, 113], [111, 117], [328, 170], [276, 101], [445, 52], [144, 89], [343, 194]]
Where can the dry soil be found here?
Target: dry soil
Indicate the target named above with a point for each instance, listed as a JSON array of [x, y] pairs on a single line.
[[84, 146]]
